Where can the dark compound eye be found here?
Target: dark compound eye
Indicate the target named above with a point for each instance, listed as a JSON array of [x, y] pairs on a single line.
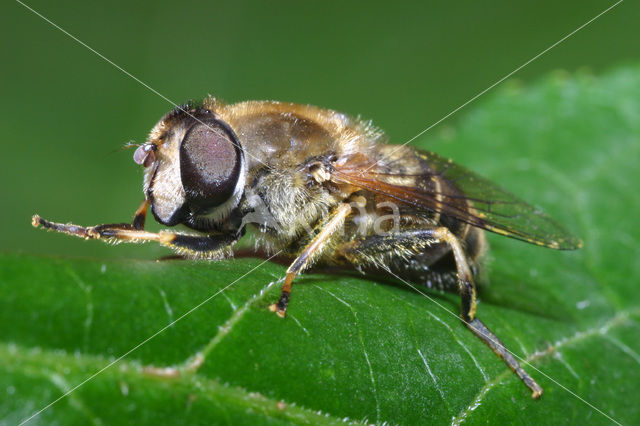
[[210, 163]]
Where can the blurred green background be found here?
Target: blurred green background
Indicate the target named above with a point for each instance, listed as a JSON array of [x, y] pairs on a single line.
[[403, 65]]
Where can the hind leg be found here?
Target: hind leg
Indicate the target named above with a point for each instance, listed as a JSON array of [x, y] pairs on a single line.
[[372, 249]]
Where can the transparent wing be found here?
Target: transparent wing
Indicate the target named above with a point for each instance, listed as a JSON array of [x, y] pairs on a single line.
[[441, 186]]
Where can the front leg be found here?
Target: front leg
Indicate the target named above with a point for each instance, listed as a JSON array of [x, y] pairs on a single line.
[[141, 215], [194, 246]]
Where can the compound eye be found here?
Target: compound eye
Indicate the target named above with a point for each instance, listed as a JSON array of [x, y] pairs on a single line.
[[210, 163]]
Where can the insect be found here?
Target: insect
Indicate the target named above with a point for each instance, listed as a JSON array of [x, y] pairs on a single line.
[[323, 188]]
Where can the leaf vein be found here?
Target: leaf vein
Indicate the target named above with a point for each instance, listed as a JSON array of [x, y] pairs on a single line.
[[435, 382], [194, 362], [364, 351], [455, 337], [624, 348], [88, 322], [74, 400], [37, 363], [453, 334], [600, 330]]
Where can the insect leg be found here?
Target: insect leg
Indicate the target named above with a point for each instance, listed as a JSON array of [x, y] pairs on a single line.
[[468, 298], [201, 246], [313, 249], [141, 215], [372, 248]]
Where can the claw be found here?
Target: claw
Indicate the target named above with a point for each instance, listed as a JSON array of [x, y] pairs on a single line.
[[279, 311], [65, 228]]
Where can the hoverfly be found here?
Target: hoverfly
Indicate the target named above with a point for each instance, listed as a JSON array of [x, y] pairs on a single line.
[[324, 188]]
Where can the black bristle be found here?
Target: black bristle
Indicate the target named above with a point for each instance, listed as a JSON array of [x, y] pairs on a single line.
[[188, 108]]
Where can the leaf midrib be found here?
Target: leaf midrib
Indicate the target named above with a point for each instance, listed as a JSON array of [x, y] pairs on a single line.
[[48, 364]]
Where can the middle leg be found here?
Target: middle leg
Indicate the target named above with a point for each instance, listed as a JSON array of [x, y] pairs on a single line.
[[311, 251]]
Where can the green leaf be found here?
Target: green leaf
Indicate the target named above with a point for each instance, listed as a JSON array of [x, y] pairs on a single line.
[[353, 348]]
